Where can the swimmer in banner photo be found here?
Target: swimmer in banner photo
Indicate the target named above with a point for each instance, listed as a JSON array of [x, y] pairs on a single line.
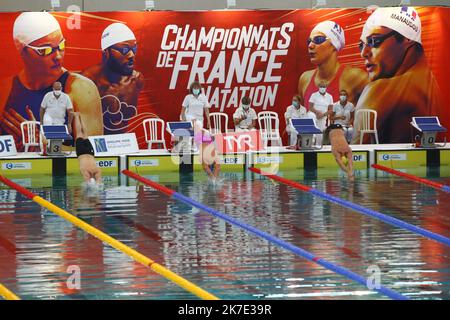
[[324, 43], [401, 85], [41, 45], [117, 81]]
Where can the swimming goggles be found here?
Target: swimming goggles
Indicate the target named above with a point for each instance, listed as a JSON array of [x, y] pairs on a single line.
[[317, 40], [48, 50], [124, 50], [375, 41]]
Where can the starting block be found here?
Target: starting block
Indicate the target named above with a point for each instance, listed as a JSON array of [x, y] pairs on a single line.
[[429, 127], [306, 129], [183, 134], [55, 135]]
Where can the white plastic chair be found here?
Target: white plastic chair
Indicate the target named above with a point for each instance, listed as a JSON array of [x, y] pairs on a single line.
[[154, 132], [269, 126], [366, 122], [216, 124], [29, 129]]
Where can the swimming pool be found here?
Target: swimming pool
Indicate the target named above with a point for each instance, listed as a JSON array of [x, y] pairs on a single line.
[[37, 248]]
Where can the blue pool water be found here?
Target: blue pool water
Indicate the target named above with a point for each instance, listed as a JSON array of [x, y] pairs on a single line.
[[39, 249]]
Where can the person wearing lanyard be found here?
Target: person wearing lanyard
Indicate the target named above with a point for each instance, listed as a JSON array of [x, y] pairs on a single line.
[[294, 111], [193, 106], [320, 106], [343, 114], [244, 117]]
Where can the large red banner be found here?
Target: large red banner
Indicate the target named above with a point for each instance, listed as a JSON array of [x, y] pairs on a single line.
[[260, 54]]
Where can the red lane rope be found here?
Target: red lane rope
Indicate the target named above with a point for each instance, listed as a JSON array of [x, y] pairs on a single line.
[[152, 184], [17, 187], [281, 179], [409, 176]]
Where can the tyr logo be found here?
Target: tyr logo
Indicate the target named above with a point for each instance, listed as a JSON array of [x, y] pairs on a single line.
[[242, 141]]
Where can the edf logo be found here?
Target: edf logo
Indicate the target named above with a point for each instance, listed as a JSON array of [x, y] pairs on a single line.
[[5, 145], [106, 163]]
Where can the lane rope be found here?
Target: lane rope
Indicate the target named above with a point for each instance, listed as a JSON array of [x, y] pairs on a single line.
[[408, 176], [166, 273], [7, 294], [355, 207], [283, 244]]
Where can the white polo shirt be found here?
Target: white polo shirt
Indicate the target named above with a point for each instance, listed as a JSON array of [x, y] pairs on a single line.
[[194, 106], [340, 111], [250, 115], [56, 108], [294, 113], [321, 102]]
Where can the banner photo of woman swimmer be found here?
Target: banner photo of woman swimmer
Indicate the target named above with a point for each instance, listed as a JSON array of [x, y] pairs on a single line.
[[120, 68]]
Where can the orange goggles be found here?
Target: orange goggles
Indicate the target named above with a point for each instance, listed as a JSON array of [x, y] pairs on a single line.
[[47, 50]]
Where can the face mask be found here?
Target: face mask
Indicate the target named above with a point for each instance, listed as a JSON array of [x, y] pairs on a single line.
[[196, 92], [322, 90], [295, 104], [343, 98], [57, 92], [246, 106]]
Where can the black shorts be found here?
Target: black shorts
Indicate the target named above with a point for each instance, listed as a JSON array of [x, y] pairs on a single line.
[[83, 146], [334, 126]]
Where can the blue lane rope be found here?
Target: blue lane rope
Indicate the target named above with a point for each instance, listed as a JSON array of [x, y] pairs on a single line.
[[380, 216], [296, 250], [366, 211]]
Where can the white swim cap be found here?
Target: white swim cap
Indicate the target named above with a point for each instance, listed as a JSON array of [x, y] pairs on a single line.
[[115, 33], [333, 31], [404, 20], [31, 26]]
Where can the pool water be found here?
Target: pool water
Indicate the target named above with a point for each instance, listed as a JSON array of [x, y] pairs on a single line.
[[39, 251]]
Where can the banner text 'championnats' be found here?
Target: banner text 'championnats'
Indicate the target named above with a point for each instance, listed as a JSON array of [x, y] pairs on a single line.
[[229, 63]]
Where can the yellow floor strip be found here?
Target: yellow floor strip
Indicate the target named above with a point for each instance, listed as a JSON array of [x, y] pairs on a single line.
[[6, 294], [183, 283]]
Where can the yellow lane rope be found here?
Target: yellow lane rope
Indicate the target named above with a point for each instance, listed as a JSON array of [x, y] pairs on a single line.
[[7, 294], [166, 273], [185, 284]]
